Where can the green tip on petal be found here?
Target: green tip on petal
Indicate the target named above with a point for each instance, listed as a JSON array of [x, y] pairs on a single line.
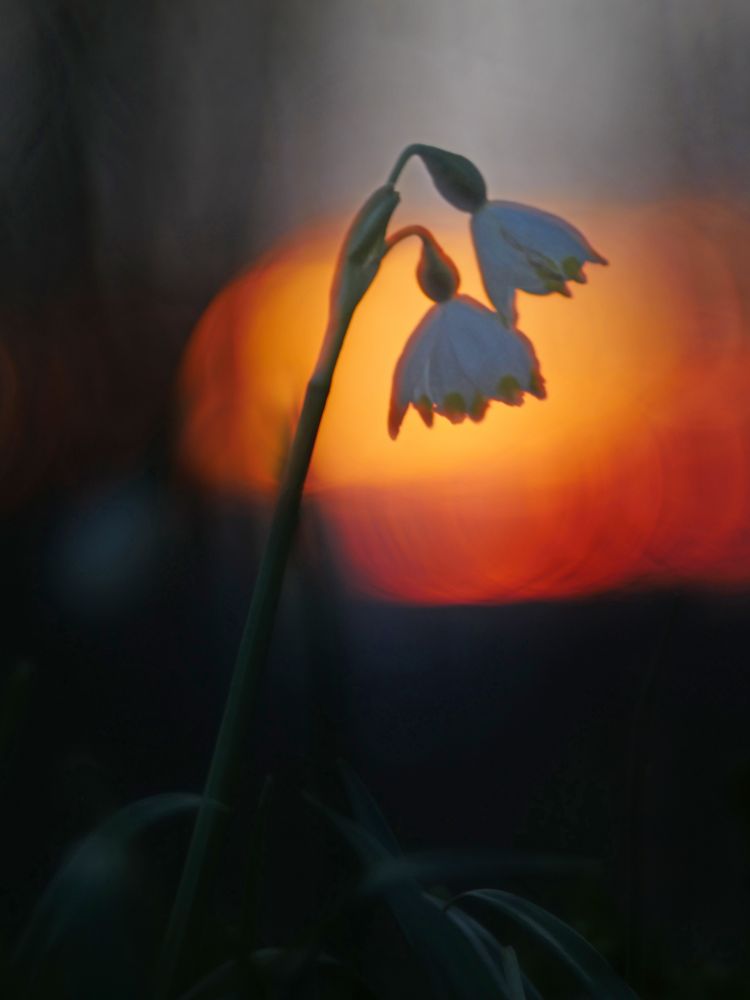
[[546, 272], [555, 285], [509, 390], [478, 408], [454, 407], [537, 386], [572, 268]]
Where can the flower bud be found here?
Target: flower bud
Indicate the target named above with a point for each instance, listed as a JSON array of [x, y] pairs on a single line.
[[436, 273]]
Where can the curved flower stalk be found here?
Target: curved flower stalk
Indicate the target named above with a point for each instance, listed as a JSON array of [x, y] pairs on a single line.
[[460, 357], [517, 246], [361, 253]]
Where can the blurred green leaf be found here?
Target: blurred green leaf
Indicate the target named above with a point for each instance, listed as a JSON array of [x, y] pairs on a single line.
[[366, 810], [586, 964], [492, 948], [457, 969], [94, 869], [512, 973]]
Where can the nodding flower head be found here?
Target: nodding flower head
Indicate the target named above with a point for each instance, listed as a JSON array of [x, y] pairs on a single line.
[[518, 246], [459, 358]]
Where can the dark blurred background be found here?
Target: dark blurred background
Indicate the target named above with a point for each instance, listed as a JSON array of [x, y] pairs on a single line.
[[152, 150]]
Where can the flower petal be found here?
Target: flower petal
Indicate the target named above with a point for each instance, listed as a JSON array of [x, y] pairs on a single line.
[[461, 356], [504, 266], [546, 233], [409, 371], [522, 247]]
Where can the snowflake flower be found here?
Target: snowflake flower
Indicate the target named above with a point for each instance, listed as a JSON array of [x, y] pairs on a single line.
[[520, 247], [459, 358]]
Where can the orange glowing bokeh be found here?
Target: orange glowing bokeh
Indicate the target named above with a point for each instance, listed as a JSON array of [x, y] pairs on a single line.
[[635, 469]]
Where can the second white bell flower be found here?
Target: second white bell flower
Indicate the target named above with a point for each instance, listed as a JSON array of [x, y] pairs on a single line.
[[522, 247], [459, 358]]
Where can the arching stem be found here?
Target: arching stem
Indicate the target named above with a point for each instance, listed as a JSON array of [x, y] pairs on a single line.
[[362, 251]]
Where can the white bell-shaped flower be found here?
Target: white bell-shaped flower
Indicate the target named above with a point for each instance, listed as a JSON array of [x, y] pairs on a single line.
[[459, 358], [518, 246]]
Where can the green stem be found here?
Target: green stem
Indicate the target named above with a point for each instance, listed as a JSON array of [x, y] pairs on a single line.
[[359, 259], [421, 232], [403, 159], [221, 784]]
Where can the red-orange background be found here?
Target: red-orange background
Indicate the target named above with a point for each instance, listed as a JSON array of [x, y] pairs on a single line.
[[635, 470]]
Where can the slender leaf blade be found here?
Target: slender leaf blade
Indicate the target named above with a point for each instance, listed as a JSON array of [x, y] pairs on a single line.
[[457, 971], [512, 973], [366, 810], [89, 869], [586, 964]]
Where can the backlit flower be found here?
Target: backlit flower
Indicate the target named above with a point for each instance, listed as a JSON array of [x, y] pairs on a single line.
[[459, 358], [518, 246]]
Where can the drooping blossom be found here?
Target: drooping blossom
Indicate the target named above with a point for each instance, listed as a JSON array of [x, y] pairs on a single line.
[[461, 356], [521, 247]]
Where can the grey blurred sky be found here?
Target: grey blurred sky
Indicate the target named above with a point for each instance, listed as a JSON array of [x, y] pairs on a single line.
[[194, 134], [588, 98]]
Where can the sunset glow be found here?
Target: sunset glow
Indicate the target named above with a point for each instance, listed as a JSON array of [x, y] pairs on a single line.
[[635, 469]]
